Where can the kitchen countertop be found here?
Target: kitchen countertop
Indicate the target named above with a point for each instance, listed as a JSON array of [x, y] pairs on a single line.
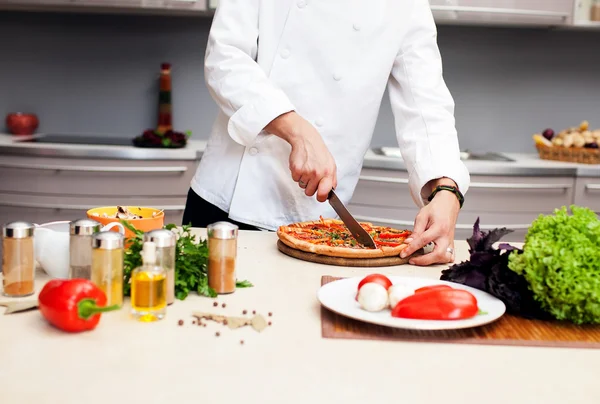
[[8, 145], [289, 362], [525, 163]]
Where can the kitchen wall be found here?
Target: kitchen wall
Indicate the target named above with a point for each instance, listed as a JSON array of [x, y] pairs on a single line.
[[97, 74]]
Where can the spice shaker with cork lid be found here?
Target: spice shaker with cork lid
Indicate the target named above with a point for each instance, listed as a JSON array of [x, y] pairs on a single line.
[[107, 265], [18, 260], [80, 247], [595, 11], [165, 241], [222, 254]]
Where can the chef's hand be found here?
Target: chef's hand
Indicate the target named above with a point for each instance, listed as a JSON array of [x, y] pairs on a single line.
[[311, 163], [435, 223]]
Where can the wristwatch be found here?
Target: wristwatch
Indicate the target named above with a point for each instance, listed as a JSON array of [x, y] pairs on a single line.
[[454, 190]]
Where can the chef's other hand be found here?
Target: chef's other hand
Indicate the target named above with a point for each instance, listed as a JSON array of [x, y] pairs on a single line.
[[435, 223], [311, 163]]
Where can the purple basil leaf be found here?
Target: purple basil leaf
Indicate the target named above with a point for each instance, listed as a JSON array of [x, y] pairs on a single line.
[[476, 237], [494, 236]]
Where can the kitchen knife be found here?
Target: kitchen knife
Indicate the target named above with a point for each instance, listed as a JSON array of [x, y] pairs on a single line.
[[359, 233]]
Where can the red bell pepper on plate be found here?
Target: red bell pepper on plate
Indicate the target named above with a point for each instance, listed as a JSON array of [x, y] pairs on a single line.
[[73, 305], [438, 304]]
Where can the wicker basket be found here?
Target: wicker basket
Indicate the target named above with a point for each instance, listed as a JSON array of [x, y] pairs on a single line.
[[569, 154]]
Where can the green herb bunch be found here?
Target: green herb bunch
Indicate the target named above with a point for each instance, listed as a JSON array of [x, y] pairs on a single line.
[[191, 257]]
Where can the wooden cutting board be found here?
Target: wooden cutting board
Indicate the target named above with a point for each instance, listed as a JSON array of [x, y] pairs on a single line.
[[344, 262]]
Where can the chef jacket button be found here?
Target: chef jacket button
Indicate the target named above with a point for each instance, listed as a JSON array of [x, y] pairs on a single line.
[[357, 27], [319, 122], [337, 77], [301, 4], [285, 53], [253, 151]]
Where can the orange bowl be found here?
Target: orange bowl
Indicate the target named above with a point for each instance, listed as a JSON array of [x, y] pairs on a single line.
[[146, 224]]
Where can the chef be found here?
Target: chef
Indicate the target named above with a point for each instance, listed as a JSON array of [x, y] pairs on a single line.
[[299, 84]]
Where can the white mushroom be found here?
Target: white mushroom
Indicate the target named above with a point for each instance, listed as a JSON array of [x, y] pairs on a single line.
[[397, 293], [373, 297]]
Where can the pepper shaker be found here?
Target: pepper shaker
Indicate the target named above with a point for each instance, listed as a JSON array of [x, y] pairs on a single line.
[[18, 261], [107, 265], [222, 254], [165, 241], [80, 247]]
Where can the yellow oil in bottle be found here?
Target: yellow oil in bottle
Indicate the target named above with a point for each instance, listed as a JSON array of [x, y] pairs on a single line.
[[149, 287], [148, 295]]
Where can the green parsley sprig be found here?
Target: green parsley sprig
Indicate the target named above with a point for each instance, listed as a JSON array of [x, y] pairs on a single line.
[[190, 262]]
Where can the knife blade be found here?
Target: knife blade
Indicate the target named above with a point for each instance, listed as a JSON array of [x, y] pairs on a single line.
[[358, 232]]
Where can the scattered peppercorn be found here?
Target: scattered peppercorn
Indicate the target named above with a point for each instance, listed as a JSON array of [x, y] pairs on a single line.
[[180, 322], [223, 304], [215, 304], [269, 323], [242, 342], [224, 322], [218, 333], [245, 311], [270, 314], [194, 322], [204, 325], [253, 311]]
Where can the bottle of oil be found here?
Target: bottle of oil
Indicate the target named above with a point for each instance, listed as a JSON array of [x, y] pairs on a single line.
[[149, 287]]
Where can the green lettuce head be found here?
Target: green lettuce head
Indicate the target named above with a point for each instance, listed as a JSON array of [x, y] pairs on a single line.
[[561, 263]]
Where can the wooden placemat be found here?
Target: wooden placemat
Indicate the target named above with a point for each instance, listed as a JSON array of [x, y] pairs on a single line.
[[345, 262], [508, 330]]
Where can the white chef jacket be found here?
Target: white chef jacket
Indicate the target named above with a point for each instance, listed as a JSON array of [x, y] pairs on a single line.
[[330, 61]]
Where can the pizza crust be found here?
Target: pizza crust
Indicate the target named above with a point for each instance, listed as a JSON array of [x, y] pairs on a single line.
[[288, 239]]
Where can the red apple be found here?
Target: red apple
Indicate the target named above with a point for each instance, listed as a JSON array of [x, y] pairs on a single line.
[[22, 124]]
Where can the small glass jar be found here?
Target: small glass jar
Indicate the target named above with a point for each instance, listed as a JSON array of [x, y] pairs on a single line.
[[80, 247], [222, 253], [165, 241], [107, 265], [595, 11], [149, 287], [18, 260]]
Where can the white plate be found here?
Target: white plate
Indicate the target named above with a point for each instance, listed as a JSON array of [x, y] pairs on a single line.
[[339, 297]]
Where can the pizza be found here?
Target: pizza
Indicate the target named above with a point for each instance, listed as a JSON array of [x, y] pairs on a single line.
[[331, 237]]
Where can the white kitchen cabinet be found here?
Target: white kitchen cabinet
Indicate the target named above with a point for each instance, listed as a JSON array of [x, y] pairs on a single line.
[[95, 177], [504, 12], [382, 197], [587, 193], [44, 189]]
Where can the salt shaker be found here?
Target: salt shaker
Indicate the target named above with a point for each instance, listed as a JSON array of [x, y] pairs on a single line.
[[222, 253], [107, 265], [18, 264], [80, 247], [164, 241]]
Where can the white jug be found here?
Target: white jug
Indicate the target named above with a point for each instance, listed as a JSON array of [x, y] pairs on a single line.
[[51, 246]]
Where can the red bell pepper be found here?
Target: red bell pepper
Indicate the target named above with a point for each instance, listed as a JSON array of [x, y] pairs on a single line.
[[438, 304], [393, 235], [432, 287], [73, 305]]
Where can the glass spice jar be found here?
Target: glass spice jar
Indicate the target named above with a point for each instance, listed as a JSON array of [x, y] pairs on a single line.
[[165, 241], [18, 261], [222, 253], [107, 265], [80, 247], [595, 11]]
